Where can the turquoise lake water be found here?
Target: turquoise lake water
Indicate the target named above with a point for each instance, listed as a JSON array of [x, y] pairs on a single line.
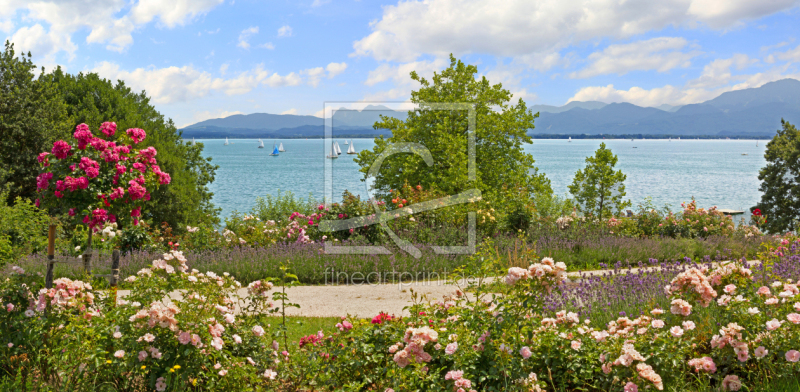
[[713, 171]]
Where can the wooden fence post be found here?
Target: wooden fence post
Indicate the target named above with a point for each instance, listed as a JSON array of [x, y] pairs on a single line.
[[51, 255], [114, 274], [87, 256]]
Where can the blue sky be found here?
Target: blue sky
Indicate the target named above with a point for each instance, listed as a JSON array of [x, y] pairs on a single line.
[[201, 59]]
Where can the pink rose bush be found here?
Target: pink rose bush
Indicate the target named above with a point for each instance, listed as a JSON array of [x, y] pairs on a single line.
[[100, 178]]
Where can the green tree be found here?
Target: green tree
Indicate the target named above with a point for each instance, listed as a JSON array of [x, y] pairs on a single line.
[[598, 189], [503, 168], [92, 100], [780, 181], [31, 113]]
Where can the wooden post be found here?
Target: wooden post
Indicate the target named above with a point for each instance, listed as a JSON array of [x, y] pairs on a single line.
[[51, 255], [87, 256], [114, 275]]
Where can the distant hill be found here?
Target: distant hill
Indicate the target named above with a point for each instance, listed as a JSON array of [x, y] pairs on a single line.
[[753, 112], [747, 113]]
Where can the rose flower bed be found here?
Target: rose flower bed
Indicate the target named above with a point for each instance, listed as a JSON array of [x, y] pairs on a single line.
[[721, 329]]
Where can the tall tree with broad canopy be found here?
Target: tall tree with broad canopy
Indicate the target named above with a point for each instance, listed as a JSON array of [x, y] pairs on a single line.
[[503, 169], [780, 181], [597, 188], [31, 113]]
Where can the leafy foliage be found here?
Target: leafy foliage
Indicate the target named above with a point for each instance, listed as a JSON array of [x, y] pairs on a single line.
[[31, 113], [780, 181], [503, 168], [598, 189]]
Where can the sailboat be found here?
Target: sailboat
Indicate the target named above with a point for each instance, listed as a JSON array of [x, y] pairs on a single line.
[[338, 150], [350, 150], [756, 143], [193, 142], [261, 145], [280, 148], [333, 154], [569, 140], [226, 141], [345, 142], [670, 139], [275, 151]]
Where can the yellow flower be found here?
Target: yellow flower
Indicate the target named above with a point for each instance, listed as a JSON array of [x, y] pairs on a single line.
[[177, 366], [144, 367], [172, 370], [108, 361], [194, 382]]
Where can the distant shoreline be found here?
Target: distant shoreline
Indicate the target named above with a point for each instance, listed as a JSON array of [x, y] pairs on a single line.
[[549, 136]]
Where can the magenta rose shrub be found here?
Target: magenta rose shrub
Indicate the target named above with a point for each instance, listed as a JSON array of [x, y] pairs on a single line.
[[100, 178]]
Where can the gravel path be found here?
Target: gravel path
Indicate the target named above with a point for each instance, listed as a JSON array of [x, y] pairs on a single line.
[[370, 299]]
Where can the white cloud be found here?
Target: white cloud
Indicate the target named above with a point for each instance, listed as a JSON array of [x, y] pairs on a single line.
[[6, 26], [791, 55], [182, 84], [171, 13], [267, 45], [42, 43], [105, 19], [335, 69], [285, 31], [522, 27], [245, 35], [661, 54], [290, 111], [314, 75], [716, 79], [223, 68], [400, 75], [208, 115], [318, 3]]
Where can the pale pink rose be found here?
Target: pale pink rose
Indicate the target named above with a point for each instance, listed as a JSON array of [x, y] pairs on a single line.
[[149, 338], [223, 372], [117, 335], [630, 387], [575, 344], [773, 324], [657, 324], [451, 348], [237, 339], [119, 354], [753, 311], [606, 368], [771, 301], [656, 312], [730, 289], [794, 318], [763, 290], [525, 352], [161, 384], [142, 355], [761, 352], [184, 338], [258, 331], [797, 306], [270, 374], [688, 325], [793, 355], [217, 365], [742, 356], [731, 383], [676, 331], [229, 318], [217, 343]]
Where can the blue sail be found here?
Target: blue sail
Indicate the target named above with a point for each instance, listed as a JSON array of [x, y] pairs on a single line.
[[275, 150]]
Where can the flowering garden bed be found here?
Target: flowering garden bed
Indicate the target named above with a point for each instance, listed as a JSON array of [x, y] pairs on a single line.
[[729, 328]]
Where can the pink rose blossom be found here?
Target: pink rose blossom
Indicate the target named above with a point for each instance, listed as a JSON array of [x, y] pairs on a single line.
[[731, 383], [258, 331], [525, 352], [61, 149], [136, 134], [119, 354], [630, 387], [793, 355], [108, 128], [773, 324], [761, 352], [794, 318]]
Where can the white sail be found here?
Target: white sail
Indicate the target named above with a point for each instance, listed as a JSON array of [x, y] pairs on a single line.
[[570, 139], [261, 143], [333, 154], [226, 141], [338, 150], [351, 149], [345, 142], [193, 142], [280, 148]]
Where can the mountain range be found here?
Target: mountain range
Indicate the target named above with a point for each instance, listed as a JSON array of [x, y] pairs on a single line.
[[753, 112]]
